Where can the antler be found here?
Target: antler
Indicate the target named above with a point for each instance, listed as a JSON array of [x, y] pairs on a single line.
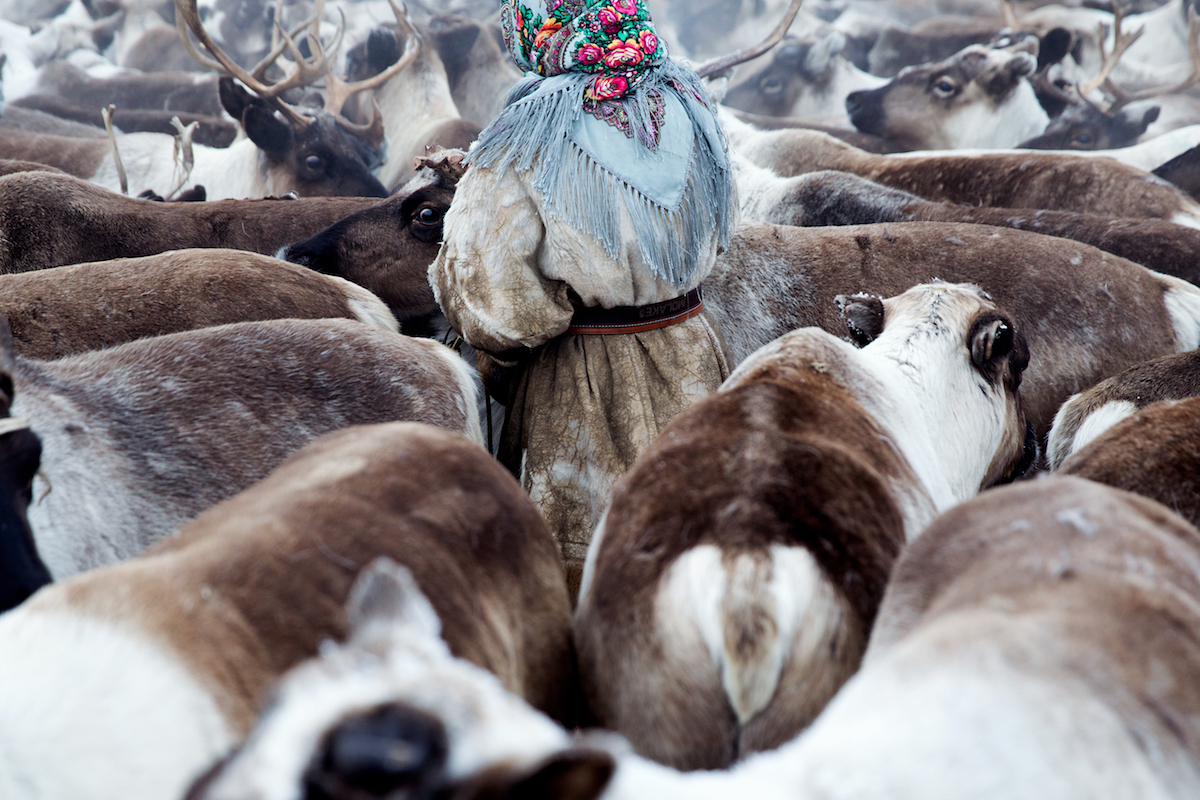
[[339, 91], [305, 72], [741, 56], [1121, 43], [1121, 97]]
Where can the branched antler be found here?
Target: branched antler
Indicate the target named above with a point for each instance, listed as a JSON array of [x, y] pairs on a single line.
[[1122, 97], [1121, 43], [306, 70], [339, 91]]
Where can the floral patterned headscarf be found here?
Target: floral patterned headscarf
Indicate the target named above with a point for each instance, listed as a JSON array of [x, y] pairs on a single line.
[[611, 39], [606, 121]]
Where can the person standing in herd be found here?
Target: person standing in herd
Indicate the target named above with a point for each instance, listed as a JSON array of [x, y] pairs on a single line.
[[593, 207]]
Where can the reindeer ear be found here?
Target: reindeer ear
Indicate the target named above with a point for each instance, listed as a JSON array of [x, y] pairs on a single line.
[[454, 37], [1054, 46], [266, 130], [821, 54], [864, 316], [1022, 65], [383, 49], [385, 603], [991, 340], [234, 97], [569, 775]]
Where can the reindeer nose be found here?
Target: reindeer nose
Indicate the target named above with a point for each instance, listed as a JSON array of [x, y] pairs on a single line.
[[853, 103], [388, 749]]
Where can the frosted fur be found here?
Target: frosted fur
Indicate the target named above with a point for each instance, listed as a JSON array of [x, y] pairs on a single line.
[[533, 132]]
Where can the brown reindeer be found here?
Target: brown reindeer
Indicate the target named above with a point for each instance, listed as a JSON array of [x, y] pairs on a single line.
[[1059, 182], [189, 640], [67, 310], [1086, 314], [828, 197], [730, 589], [54, 220], [388, 247], [1151, 452], [1091, 412], [140, 438]]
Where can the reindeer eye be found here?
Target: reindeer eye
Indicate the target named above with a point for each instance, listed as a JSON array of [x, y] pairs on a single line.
[[772, 86], [944, 87], [314, 163], [1083, 138], [428, 215]]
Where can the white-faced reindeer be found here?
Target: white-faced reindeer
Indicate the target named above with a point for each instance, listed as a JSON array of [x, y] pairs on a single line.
[[977, 98], [806, 77], [730, 589], [416, 106]]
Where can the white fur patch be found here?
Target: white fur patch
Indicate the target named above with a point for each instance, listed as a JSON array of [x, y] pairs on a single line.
[[983, 125], [365, 305], [1187, 220], [1097, 423], [1183, 305], [803, 611], [89, 710]]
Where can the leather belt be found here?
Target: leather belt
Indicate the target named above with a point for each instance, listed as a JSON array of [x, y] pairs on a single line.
[[635, 319]]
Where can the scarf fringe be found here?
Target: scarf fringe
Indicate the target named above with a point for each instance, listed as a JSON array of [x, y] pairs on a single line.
[[579, 190]]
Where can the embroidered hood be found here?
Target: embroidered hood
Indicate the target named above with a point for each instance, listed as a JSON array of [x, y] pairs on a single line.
[[604, 117]]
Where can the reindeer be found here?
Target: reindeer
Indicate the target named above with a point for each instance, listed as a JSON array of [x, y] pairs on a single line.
[[1088, 414], [415, 101], [73, 309], [807, 77], [1091, 125], [289, 152], [130, 454], [1060, 182], [977, 98], [53, 220], [828, 197], [167, 660], [720, 622]]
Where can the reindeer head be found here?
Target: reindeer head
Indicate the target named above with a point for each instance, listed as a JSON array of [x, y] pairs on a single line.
[[393, 714], [961, 359], [388, 248], [1115, 120], [976, 98], [320, 153]]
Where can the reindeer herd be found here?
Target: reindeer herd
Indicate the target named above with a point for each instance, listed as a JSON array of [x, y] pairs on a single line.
[[253, 544]]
